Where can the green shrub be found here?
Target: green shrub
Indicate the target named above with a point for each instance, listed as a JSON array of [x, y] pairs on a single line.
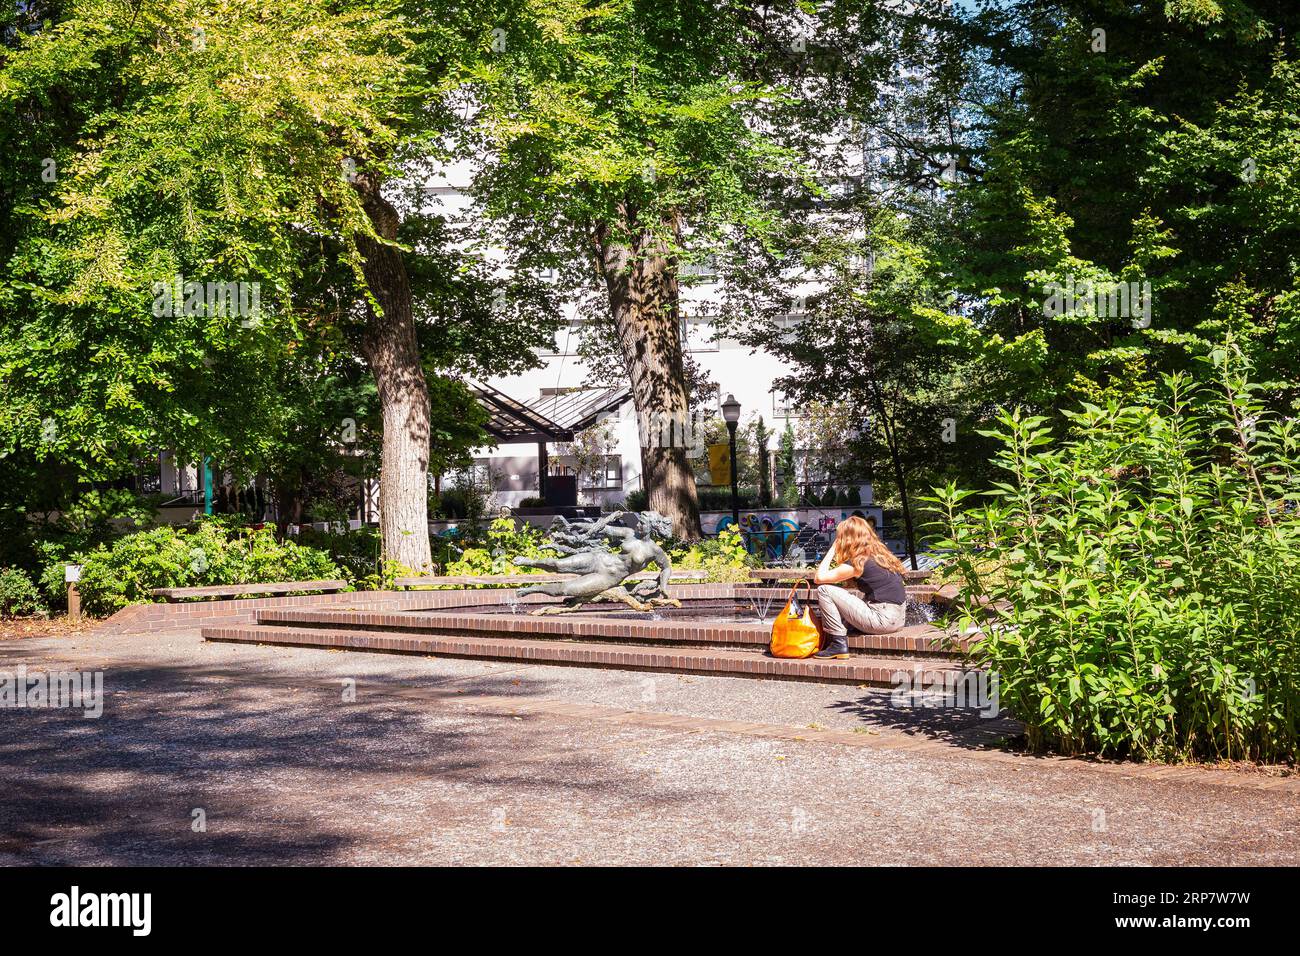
[[723, 559], [1145, 571], [359, 553], [52, 581], [504, 542], [124, 572], [93, 518], [18, 595], [719, 499]]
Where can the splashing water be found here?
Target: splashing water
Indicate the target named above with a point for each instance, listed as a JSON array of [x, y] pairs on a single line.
[[920, 612], [761, 606]]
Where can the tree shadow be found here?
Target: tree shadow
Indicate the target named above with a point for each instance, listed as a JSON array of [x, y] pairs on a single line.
[[283, 776], [966, 727]]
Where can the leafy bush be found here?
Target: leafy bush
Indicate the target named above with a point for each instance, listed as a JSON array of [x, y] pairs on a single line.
[[719, 499], [503, 544], [1144, 575], [724, 558], [358, 553], [124, 572], [470, 496], [92, 519], [18, 595]]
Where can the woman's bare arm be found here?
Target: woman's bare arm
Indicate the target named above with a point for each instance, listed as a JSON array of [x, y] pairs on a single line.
[[828, 572]]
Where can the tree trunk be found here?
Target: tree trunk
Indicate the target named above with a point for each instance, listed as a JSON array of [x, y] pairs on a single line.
[[896, 457], [643, 296], [289, 501], [389, 347]]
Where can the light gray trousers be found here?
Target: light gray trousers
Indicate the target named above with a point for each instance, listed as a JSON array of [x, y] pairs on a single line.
[[843, 609]]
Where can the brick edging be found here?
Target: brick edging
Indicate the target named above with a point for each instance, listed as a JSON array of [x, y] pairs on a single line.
[[161, 616], [156, 617], [858, 669]]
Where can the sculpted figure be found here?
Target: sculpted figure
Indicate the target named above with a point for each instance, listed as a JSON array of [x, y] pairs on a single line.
[[585, 549]]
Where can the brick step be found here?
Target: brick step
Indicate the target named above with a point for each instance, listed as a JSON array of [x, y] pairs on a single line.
[[877, 671], [922, 640]]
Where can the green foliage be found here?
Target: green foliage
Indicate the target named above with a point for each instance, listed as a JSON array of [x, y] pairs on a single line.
[[155, 142], [724, 558], [359, 554], [763, 462], [89, 520], [631, 115], [1143, 574], [785, 466], [719, 499], [1168, 157], [384, 576], [505, 541], [186, 143], [457, 423], [470, 496], [655, 141], [18, 595], [124, 572]]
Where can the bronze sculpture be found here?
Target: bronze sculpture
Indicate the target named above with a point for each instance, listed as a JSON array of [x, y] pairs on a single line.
[[584, 548]]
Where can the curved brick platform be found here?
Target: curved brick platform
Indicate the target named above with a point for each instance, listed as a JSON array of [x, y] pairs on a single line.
[[922, 640], [691, 660], [459, 624]]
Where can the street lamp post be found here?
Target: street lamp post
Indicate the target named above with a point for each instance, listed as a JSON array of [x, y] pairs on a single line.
[[731, 415]]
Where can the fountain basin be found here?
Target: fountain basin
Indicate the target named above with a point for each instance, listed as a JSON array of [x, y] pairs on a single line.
[[717, 631]]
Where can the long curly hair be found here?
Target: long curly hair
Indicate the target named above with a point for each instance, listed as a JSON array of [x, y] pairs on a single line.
[[856, 542]]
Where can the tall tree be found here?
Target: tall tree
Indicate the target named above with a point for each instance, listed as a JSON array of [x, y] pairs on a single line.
[[874, 343], [628, 139], [1147, 142], [164, 143]]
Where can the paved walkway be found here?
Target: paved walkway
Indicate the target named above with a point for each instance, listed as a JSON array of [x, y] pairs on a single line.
[[451, 761]]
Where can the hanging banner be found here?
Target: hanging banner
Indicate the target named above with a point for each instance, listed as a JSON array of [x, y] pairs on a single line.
[[720, 464]]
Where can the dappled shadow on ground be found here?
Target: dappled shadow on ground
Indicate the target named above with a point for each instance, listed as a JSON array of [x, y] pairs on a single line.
[[282, 768], [960, 726]]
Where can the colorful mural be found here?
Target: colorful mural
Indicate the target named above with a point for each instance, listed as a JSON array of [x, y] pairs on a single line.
[[767, 536]]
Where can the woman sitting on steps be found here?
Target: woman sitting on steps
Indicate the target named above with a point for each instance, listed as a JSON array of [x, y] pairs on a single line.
[[872, 598]]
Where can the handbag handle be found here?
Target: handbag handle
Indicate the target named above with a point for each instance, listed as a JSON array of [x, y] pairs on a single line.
[[808, 593]]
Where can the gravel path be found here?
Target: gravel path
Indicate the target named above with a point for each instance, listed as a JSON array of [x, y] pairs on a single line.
[[228, 754]]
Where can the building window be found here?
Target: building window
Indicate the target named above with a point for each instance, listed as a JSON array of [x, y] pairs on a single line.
[[568, 339], [782, 407], [610, 475], [699, 334]]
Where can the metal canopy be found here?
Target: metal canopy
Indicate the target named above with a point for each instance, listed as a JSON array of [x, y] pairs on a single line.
[[551, 418], [582, 407]]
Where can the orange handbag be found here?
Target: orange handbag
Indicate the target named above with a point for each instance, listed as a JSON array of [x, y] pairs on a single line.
[[793, 632]]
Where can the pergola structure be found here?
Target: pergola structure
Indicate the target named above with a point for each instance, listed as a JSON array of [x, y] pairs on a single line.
[[550, 418]]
